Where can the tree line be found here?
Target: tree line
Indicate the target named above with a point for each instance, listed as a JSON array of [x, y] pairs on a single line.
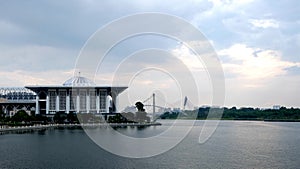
[[248, 113]]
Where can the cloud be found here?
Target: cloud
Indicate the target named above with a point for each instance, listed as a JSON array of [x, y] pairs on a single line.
[[20, 78], [36, 58], [258, 42], [278, 90], [225, 6], [191, 60], [254, 63], [230, 3], [264, 23]]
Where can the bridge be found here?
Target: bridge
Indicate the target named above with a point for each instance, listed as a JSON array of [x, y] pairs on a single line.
[[151, 103]]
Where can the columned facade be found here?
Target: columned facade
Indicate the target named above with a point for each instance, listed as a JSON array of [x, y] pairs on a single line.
[[68, 103], [76, 95], [37, 106], [47, 104]]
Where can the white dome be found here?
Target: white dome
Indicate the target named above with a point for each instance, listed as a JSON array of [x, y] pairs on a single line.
[[79, 81]]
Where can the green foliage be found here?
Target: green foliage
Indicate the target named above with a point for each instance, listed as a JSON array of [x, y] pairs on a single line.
[[21, 116], [140, 106], [169, 115], [258, 114], [241, 114], [72, 117], [60, 117], [40, 119], [138, 117], [2, 116], [118, 118]]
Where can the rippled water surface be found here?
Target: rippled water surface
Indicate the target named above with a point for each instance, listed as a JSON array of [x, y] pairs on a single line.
[[235, 144]]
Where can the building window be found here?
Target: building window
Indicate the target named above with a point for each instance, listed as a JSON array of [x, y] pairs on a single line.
[[82, 98], [102, 101], [62, 100], [73, 100], [52, 100], [93, 98]]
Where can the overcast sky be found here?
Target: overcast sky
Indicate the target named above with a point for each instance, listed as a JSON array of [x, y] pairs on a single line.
[[257, 42]]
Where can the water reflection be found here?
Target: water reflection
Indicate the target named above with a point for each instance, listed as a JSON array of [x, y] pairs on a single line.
[[234, 145]]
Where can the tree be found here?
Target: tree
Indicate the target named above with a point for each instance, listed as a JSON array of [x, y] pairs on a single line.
[[140, 106], [38, 118], [59, 117], [118, 118], [71, 117], [2, 115], [141, 115], [20, 116]]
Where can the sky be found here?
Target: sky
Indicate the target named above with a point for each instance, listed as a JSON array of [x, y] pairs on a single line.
[[257, 43]]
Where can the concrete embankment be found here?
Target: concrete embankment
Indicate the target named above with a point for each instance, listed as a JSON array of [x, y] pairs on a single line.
[[26, 128], [4, 129]]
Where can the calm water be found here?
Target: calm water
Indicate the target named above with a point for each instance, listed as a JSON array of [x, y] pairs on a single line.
[[235, 144]]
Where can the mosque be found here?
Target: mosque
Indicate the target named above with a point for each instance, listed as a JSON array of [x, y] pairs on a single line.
[[77, 94]]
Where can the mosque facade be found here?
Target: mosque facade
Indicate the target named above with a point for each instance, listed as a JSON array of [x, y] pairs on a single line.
[[77, 95]]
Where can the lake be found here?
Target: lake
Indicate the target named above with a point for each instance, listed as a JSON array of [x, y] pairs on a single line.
[[234, 144]]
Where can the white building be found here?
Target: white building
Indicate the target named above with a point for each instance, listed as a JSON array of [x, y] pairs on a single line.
[[13, 99], [276, 107], [78, 94]]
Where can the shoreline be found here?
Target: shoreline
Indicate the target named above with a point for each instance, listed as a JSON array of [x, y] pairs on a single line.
[[82, 126], [244, 119]]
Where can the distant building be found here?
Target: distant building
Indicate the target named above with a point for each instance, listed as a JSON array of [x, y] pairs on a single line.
[[13, 99], [276, 107], [78, 95], [177, 110]]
